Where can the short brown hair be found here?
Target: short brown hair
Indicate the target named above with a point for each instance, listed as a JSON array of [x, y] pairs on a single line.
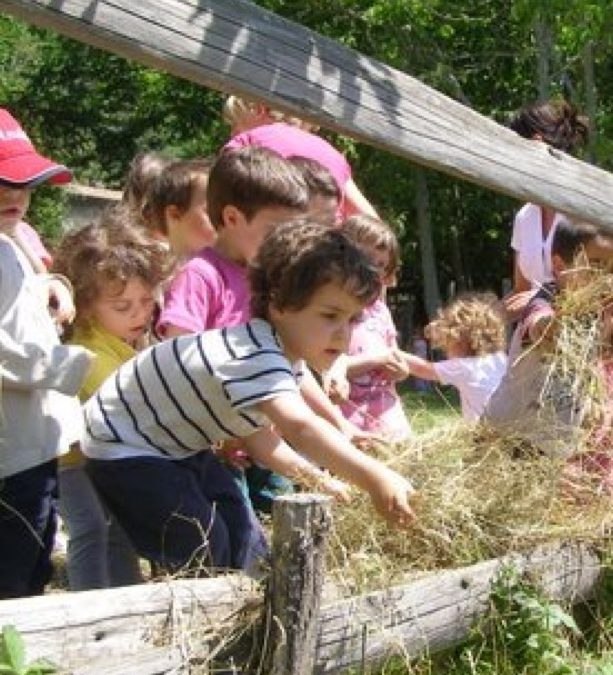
[[368, 231], [112, 251], [300, 256], [253, 178], [175, 186]]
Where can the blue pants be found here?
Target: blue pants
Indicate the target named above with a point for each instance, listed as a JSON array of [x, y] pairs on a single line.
[[182, 513], [27, 530], [99, 552]]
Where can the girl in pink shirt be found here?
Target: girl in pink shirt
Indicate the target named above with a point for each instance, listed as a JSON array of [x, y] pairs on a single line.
[[374, 363]]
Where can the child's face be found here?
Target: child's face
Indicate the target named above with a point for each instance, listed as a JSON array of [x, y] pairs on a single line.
[[320, 331], [245, 237], [126, 312], [380, 258], [191, 230], [14, 203]]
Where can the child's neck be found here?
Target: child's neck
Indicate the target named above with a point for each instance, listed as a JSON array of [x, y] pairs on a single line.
[[229, 250]]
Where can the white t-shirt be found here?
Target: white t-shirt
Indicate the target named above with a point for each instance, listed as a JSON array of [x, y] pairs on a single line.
[[533, 252], [182, 395], [475, 377]]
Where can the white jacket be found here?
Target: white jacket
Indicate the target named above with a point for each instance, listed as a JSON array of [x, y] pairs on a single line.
[[39, 414]]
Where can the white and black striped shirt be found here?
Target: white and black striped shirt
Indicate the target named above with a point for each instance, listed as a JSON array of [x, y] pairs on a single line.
[[181, 396]]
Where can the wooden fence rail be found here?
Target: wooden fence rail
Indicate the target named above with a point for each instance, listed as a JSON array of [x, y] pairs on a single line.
[[237, 47], [161, 627]]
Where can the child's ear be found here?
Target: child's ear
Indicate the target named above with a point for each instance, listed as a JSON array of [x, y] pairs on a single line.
[[232, 216]]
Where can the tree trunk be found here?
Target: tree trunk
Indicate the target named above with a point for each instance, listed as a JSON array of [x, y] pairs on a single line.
[[432, 296], [543, 39], [589, 84]]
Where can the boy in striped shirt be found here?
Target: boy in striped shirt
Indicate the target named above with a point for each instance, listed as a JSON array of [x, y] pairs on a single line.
[[152, 426]]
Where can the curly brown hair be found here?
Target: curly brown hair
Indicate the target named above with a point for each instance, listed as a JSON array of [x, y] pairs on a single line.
[[475, 320], [302, 255], [109, 253]]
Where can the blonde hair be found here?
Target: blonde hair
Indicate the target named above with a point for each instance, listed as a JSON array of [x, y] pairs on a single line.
[[474, 320], [239, 111]]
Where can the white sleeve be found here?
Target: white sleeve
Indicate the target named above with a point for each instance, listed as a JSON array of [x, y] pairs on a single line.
[[28, 366], [451, 371]]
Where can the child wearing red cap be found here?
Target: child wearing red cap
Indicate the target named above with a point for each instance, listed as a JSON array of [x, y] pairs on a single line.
[[39, 414]]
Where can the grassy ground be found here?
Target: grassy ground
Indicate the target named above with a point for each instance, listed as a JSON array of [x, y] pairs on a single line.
[[431, 408]]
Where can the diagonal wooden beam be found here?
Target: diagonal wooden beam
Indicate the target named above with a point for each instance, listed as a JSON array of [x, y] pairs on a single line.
[[237, 47]]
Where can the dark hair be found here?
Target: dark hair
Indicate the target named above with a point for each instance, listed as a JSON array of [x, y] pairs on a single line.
[[253, 178], [112, 251], [319, 180], [175, 186], [556, 122], [368, 231], [144, 169], [571, 236], [300, 256]]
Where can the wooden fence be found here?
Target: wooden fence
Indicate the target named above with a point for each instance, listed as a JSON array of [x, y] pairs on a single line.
[[164, 627], [237, 47]]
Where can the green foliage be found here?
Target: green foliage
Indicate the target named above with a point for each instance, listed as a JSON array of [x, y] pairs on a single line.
[[13, 656]]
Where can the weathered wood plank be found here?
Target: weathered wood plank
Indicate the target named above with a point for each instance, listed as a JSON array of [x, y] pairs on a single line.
[[235, 46], [437, 611], [104, 631]]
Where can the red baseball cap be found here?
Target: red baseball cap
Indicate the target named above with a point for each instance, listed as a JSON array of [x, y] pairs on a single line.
[[20, 164]]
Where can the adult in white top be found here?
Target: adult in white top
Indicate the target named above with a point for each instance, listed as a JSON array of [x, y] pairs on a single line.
[[557, 124]]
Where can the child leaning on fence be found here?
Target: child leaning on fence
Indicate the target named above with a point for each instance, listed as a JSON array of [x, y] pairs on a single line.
[[151, 428], [471, 332], [40, 415], [115, 269], [534, 400]]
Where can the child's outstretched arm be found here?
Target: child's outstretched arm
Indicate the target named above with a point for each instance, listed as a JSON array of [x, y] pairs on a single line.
[[266, 448], [325, 446], [419, 367]]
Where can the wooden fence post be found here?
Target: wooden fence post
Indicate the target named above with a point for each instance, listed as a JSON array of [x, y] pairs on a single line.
[[300, 526]]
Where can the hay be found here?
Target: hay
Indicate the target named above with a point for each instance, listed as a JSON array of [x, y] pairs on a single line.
[[482, 494]]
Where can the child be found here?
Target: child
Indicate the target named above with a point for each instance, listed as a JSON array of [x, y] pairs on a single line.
[[249, 191], [151, 427], [471, 331], [256, 124], [40, 416], [324, 195], [143, 172], [373, 363], [548, 419], [114, 269], [177, 207]]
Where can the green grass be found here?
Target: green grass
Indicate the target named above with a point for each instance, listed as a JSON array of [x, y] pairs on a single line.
[[426, 410]]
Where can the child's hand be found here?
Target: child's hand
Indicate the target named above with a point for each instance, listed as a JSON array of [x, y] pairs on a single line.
[[336, 386], [390, 494], [60, 301], [335, 488], [394, 365]]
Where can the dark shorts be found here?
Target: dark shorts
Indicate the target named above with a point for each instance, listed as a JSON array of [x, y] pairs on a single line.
[[183, 513]]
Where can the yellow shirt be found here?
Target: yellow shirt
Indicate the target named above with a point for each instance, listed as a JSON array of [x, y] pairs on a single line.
[[110, 353]]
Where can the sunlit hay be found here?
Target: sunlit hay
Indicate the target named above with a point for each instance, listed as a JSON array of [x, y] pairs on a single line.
[[482, 494], [479, 496]]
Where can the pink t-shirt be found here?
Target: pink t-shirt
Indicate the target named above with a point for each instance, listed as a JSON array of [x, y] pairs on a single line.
[[209, 291], [32, 238], [291, 141], [374, 404]]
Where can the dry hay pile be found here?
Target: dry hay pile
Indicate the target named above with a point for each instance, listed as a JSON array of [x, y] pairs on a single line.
[[482, 493]]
